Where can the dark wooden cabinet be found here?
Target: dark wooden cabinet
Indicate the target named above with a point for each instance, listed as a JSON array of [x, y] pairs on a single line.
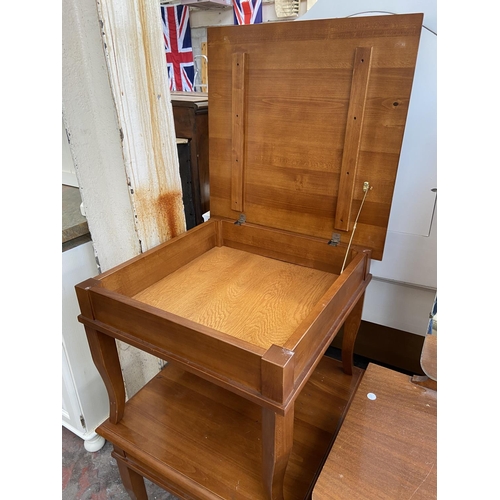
[[191, 122]]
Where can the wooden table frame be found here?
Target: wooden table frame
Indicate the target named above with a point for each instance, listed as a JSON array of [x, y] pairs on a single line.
[[292, 157], [272, 378]]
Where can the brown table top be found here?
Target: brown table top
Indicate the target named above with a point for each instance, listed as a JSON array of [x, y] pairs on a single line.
[[386, 448]]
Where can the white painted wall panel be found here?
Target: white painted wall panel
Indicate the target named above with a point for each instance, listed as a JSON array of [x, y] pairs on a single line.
[[68, 169], [403, 307], [90, 119]]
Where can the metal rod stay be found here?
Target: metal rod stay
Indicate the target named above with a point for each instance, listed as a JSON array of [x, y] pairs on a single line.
[[366, 188]]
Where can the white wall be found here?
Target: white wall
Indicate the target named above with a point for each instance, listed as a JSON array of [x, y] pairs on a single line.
[[92, 127], [96, 139], [68, 169]]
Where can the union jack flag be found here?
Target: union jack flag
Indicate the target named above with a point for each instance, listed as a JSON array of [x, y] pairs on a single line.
[[178, 48], [247, 11]]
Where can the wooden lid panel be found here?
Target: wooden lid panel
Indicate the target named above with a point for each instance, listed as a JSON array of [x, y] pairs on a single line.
[[284, 123]]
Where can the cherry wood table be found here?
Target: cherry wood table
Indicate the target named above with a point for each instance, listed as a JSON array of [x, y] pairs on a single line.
[[386, 448], [306, 123]]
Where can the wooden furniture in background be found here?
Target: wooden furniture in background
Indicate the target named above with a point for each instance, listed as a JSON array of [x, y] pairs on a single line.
[[428, 362], [191, 122], [184, 154], [244, 306], [386, 448]]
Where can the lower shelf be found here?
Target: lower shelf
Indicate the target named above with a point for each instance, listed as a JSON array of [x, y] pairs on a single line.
[[200, 441]]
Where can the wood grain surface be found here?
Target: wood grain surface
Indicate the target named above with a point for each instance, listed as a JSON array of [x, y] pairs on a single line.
[[297, 101], [354, 129], [238, 129], [142, 271], [386, 448], [203, 442], [253, 298]]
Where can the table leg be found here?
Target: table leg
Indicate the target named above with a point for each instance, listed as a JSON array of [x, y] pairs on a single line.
[[277, 442], [424, 381], [351, 327], [133, 482], [107, 362]]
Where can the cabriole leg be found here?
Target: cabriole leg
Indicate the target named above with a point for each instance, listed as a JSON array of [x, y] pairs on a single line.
[[107, 362], [351, 327], [277, 442]]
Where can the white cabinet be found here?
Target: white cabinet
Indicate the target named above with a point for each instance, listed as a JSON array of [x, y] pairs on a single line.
[[84, 397]]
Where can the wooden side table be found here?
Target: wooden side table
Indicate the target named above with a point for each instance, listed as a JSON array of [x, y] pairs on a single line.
[[244, 306], [386, 448]]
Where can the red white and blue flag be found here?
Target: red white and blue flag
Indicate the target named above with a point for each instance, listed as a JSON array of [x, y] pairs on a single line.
[[178, 47], [247, 11]]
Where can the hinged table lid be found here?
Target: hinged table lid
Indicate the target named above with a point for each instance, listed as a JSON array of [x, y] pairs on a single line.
[[303, 114]]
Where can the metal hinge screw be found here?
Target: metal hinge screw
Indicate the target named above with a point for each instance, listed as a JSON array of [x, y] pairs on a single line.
[[335, 240], [242, 219]]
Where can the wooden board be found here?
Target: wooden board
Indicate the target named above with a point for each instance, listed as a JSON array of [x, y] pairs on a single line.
[[386, 448], [296, 136], [211, 298], [204, 65], [250, 297], [200, 441]]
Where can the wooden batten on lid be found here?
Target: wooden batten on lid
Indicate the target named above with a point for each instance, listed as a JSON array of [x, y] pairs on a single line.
[[238, 105], [302, 115]]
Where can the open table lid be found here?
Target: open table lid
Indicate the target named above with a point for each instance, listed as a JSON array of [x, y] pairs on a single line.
[[302, 114]]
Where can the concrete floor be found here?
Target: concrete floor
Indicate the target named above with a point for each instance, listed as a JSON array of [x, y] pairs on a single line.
[[95, 476]]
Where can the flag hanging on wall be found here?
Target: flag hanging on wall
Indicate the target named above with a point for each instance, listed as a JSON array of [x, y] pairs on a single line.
[[178, 48], [247, 11]]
